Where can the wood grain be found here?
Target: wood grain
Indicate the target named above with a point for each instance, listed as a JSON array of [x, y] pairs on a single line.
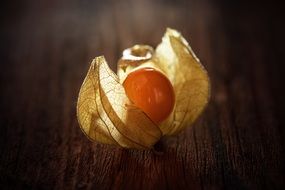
[[46, 48]]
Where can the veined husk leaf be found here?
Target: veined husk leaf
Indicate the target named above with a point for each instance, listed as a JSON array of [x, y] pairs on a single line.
[[106, 115], [190, 80]]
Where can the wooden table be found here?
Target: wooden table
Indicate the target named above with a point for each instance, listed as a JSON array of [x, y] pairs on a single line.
[[46, 48]]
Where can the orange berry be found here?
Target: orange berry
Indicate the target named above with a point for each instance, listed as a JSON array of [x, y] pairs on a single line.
[[151, 91]]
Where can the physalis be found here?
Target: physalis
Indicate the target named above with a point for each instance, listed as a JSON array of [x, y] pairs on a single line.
[[155, 93]]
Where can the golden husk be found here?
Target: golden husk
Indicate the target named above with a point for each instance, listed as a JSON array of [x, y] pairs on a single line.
[[106, 115]]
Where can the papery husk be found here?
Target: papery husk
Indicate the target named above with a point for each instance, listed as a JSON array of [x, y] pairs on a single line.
[[107, 115]]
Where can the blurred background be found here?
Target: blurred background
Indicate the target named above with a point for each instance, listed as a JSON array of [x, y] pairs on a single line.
[[46, 48]]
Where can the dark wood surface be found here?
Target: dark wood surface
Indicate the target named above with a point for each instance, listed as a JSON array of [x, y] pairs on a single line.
[[46, 48]]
